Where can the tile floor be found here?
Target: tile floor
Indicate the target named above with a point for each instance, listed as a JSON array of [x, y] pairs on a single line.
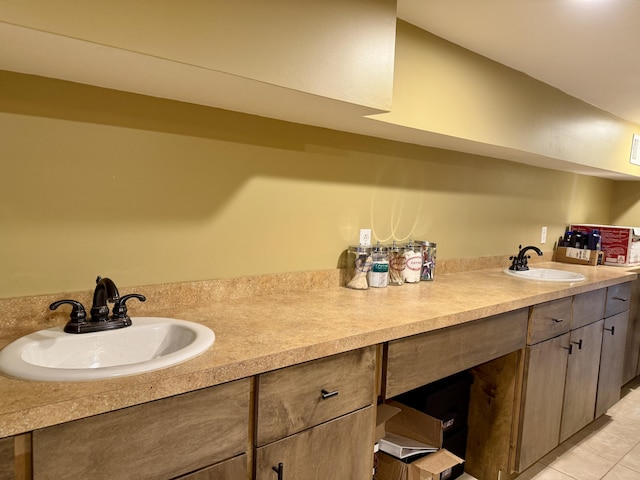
[[607, 449]]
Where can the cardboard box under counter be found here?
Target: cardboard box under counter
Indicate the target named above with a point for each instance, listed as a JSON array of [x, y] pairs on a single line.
[[411, 423], [579, 256]]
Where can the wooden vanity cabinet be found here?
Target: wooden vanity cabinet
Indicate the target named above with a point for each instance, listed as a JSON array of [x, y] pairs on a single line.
[[421, 359], [611, 362], [631, 367], [340, 448], [234, 468], [163, 439], [544, 374], [614, 342], [317, 418], [581, 385], [545, 370], [7, 462]]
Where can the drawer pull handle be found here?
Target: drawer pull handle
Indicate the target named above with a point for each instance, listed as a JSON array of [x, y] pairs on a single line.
[[622, 299], [612, 329], [279, 470], [326, 394], [579, 344], [558, 320]]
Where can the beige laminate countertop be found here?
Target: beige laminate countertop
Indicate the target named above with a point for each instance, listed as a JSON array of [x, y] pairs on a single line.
[[273, 331]]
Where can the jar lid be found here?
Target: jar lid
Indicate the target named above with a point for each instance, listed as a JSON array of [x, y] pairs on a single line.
[[360, 249], [394, 247], [428, 244]]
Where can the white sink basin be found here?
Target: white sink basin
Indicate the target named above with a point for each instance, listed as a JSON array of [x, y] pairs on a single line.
[[151, 343], [546, 275]]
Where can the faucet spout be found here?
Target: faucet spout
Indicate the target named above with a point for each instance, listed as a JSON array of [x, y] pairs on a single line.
[[520, 261], [105, 291]]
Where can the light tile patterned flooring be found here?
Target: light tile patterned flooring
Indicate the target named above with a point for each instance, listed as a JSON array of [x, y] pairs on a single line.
[[607, 449]]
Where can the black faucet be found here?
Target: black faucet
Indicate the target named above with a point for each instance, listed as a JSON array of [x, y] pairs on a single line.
[[105, 292], [519, 262]]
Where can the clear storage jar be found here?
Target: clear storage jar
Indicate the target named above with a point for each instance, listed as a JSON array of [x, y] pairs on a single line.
[[397, 264], [378, 275], [358, 265], [413, 262], [428, 261]]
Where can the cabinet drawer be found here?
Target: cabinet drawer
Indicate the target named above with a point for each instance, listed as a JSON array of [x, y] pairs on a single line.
[[618, 299], [298, 397], [588, 308], [156, 440], [549, 319], [421, 359]]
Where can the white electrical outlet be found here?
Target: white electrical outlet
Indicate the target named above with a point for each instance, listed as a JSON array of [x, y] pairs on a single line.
[[543, 235], [365, 236]]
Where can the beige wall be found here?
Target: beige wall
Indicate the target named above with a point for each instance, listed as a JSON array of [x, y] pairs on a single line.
[[442, 88], [625, 205], [335, 49], [146, 191]]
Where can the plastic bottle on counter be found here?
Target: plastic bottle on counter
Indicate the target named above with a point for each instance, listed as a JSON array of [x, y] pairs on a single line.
[[378, 275]]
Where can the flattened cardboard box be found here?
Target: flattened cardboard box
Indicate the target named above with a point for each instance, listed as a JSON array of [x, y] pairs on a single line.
[[419, 426]]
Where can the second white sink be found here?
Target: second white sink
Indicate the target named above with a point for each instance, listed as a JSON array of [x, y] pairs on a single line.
[[546, 275], [151, 343]]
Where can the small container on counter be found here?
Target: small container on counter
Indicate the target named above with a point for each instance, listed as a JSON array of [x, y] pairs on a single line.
[[359, 264], [413, 262], [378, 275], [397, 264], [428, 261]]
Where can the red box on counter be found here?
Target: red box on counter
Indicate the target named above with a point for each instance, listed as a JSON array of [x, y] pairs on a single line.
[[621, 245]]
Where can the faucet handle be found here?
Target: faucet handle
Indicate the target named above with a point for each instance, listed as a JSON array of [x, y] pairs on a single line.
[[78, 315], [120, 307], [77, 311]]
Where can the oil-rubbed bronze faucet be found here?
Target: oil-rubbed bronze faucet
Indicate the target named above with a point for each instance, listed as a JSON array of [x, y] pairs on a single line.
[[519, 262], [105, 292]]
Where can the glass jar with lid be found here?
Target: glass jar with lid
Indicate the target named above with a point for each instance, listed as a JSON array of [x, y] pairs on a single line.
[[413, 262], [397, 264], [358, 265], [378, 275], [428, 261]]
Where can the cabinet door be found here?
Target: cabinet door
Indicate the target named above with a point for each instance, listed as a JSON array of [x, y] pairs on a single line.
[[7, 470], [340, 449], [155, 440], [541, 412], [232, 469], [582, 379], [611, 361], [632, 350]]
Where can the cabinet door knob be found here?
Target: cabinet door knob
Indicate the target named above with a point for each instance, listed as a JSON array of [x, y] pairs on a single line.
[[326, 394], [279, 470], [612, 329]]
